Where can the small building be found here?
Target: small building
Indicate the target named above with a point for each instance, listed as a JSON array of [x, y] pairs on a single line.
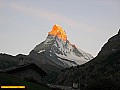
[[28, 71], [75, 85]]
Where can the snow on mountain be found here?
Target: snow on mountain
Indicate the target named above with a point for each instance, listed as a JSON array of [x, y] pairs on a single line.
[[58, 49]]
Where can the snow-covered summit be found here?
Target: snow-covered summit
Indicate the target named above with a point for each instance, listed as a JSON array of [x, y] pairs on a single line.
[[59, 50]]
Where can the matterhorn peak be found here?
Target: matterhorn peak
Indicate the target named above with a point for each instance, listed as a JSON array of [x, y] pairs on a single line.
[[59, 32], [57, 50]]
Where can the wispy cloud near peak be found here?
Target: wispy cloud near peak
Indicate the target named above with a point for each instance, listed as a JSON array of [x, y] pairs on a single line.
[[50, 16]]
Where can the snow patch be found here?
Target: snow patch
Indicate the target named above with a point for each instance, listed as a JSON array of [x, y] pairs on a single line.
[[41, 51], [67, 62], [78, 60]]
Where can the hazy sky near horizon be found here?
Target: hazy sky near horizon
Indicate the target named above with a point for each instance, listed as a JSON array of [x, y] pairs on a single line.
[[88, 23]]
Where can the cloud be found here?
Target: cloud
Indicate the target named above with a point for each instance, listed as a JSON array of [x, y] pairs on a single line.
[[50, 16]]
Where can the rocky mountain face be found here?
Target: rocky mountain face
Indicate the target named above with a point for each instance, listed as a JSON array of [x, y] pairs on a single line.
[[56, 50], [101, 73]]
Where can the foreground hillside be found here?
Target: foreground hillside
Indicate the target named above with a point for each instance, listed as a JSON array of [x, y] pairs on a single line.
[[6, 79], [10, 80], [101, 73]]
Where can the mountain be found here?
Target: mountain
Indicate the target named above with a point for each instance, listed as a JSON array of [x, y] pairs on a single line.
[[56, 50], [52, 55], [101, 73]]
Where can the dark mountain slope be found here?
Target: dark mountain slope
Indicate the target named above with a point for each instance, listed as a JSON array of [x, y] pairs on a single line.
[[101, 73], [111, 46], [7, 61], [6, 79]]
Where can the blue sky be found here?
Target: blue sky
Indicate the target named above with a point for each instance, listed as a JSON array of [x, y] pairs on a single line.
[[88, 23]]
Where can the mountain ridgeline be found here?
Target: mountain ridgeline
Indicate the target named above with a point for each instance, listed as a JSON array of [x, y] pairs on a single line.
[[53, 54], [101, 73]]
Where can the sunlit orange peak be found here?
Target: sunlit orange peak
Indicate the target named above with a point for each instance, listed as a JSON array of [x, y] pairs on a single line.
[[58, 31]]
